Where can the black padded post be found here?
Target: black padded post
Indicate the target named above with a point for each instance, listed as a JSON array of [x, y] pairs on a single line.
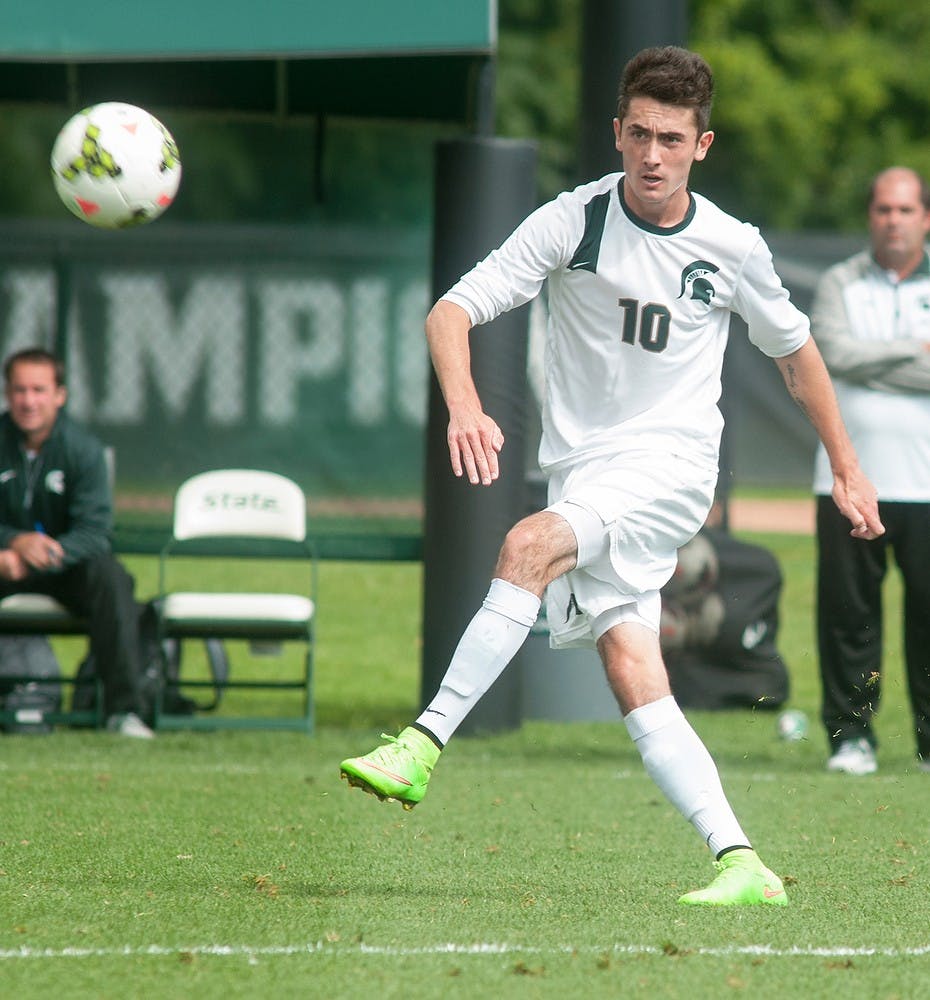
[[484, 188], [612, 32]]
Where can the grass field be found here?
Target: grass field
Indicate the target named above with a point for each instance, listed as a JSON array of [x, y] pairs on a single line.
[[543, 862]]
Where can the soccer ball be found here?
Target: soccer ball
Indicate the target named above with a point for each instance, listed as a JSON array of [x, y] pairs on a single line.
[[115, 165], [696, 573], [792, 725]]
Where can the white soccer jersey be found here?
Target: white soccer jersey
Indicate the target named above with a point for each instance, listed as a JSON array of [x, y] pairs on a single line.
[[638, 319]]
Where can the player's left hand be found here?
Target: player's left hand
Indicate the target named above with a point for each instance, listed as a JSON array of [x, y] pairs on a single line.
[[857, 500]]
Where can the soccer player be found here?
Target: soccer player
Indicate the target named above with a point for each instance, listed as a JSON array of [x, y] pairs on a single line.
[[643, 275]]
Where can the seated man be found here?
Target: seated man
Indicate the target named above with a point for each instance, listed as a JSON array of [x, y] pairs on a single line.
[[55, 521]]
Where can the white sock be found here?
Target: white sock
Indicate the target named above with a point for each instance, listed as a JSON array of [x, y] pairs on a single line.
[[489, 643], [678, 762]]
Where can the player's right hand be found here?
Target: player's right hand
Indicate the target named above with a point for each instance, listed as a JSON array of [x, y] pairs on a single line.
[[474, 442]]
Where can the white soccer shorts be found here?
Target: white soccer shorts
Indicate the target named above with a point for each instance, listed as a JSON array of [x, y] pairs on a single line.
[[630, 514]]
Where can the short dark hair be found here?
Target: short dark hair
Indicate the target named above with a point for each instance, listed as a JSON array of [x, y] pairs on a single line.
[[671, 75], [35, 356], [921, 183]]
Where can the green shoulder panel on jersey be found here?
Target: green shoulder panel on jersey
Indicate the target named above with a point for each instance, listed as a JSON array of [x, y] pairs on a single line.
[[586, 254]]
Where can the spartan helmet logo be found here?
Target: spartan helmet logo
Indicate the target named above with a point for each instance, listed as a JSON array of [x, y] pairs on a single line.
[[55, 481], [694, 275]]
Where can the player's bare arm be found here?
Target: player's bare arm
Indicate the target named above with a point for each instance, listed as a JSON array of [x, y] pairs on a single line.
[[474, 438], [807, 380]]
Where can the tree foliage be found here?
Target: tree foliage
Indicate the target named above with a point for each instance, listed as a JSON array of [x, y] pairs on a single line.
[[813, 100], [538, 82]]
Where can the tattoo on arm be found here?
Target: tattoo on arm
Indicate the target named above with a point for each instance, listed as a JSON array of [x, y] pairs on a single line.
[[792, 383], [802, 405]]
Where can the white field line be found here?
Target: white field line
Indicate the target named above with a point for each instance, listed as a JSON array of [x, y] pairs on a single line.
[[486, 948], [501, 771]]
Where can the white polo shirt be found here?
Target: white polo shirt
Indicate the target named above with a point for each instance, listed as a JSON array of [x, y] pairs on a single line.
[[872, 330]]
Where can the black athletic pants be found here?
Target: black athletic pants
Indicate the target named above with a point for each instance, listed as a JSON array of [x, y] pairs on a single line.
[[101, 591], [849, 617]]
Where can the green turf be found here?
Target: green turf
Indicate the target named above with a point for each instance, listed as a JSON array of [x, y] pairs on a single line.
[[543, 863]]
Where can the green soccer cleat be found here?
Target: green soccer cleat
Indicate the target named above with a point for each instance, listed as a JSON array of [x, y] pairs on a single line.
[[742, 880], [398, 771]]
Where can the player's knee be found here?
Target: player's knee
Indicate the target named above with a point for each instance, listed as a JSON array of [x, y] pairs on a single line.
[[512, 559], [528, 554], [523, 537]]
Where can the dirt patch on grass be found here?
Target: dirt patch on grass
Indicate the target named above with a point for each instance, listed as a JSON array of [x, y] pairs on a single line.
[[789, 516]]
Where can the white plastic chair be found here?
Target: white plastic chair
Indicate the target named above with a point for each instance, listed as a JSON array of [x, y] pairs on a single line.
[[237, 514], [38, 614]]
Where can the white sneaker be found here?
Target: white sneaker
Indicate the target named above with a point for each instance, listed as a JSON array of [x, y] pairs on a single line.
[[854, 757], [924, 764], [129, 724]]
